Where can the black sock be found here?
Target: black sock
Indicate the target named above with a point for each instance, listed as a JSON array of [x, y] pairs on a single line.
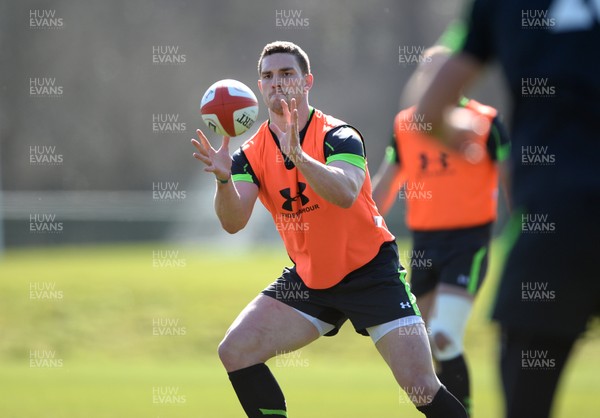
[[443, 405], [455, 376], [258, 392]]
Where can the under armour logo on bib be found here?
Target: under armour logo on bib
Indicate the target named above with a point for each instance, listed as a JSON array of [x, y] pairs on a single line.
[[286, 193]]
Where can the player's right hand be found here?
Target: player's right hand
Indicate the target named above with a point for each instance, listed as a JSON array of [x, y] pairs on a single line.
[[218, 161], [463, 127]]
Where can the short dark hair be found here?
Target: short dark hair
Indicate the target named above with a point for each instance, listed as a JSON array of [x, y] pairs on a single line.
[[284, 47]]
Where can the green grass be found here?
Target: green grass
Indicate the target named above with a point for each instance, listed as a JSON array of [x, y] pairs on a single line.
[[101, 331]]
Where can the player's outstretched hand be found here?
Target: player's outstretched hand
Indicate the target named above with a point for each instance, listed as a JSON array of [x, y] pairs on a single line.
[[463, 126], [289, 140], [218, 161]]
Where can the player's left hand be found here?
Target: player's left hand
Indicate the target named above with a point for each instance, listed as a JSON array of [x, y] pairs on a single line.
[[218, 161], [289, 140]]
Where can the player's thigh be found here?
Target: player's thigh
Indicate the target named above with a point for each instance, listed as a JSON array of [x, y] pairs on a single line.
[[550, 282], [265, 328]]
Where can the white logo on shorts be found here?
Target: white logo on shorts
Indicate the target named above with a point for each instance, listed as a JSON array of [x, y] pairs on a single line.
[[405, 305], [462, 279]]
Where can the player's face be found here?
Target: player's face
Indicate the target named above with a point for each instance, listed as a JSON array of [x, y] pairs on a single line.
[[281, 78]]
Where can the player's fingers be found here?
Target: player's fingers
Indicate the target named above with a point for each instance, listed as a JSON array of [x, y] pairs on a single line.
[[294, 128], [203, 140], [295, 120], [198, 145], [203, 158], [225, 144], [201, 148], [286, 110], [276, 130]]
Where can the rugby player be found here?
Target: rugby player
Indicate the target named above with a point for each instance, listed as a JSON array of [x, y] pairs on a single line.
[[549, 288], [309, 171], [451, 206]]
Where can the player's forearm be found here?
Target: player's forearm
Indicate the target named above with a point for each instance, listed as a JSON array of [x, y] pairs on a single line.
[[229, 208], [444, 91], [383, 195], [433, 106], [385, 187], [331, 183]]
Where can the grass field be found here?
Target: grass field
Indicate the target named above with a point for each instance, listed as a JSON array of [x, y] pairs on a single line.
[[131, 331]]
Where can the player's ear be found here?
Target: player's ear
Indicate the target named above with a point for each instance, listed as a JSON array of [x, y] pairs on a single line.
[[308, 81], [260, 85]]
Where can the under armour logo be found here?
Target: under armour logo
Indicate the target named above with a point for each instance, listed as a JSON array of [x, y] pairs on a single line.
[[286, 193], [444, 160], [405, 305], [463, 280], [424, 161]]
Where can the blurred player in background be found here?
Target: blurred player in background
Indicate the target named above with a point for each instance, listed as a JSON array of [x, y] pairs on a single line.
[[309, 170], [550, 287], [451, 206]]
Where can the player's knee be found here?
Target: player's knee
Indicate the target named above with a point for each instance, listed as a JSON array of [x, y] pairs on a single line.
[[230, 352], [226, 352], [236, 352], [446, 340], [444, 346], [447, 326]]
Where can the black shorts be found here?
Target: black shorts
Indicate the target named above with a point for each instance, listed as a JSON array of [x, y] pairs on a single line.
[[550, 284], [458, 257], [374, 294]]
